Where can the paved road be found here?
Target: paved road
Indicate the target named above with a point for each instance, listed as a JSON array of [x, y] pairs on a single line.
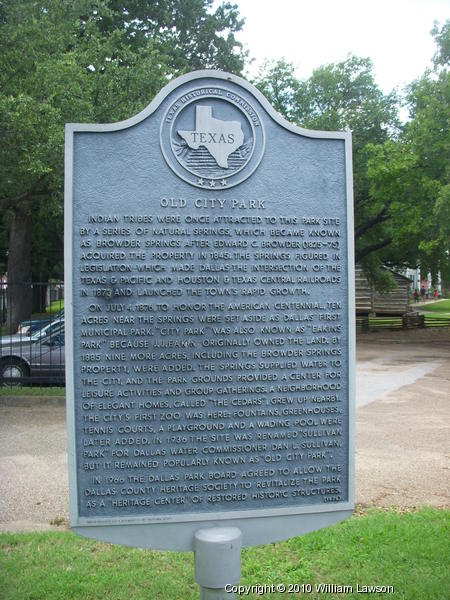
[[402, 436], [403, 423], [382, 370]]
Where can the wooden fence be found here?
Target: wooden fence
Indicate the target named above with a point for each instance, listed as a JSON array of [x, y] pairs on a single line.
[[407, 321]]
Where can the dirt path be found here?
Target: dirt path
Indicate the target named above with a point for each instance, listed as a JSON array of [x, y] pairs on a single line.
[[402, 436]]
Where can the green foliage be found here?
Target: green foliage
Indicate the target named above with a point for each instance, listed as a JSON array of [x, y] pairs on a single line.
[[428, 136], [442, 39], [342, 96], [55, 307], [286, 93], [192, 34], [88, 61], [401, 174], [377, 275], [410, 176], [336, 97]]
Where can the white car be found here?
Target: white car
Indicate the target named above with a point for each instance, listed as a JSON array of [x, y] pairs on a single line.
[[23, 339]]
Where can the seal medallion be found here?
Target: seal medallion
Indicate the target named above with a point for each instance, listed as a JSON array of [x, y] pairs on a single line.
[[212, 137]]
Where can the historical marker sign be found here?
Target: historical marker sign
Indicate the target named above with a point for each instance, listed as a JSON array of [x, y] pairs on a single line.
[[209, 319]]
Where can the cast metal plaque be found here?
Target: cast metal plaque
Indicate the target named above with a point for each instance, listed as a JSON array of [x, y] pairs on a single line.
[[209, 320]]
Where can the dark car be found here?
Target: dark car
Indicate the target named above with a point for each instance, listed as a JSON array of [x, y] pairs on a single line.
[[38, 362], [33, 325]]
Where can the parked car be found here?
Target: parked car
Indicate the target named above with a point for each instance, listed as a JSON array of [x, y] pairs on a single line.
[[39, 361], [32, 325], [21, 339]]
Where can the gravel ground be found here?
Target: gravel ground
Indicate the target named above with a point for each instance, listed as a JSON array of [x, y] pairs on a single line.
[[402, 436]]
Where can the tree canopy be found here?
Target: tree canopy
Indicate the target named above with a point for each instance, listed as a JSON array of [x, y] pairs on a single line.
[[342, 96], [84, 61], [410, 175], [104, 60], [400, 171]]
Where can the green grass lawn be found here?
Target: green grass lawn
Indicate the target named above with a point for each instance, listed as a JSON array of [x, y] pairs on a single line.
[[441, 306], [436, 313], [55, 306], [32, 391], [409, 551]]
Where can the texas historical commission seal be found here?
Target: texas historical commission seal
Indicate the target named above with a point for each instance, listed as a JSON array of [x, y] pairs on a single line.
[[212, 138]]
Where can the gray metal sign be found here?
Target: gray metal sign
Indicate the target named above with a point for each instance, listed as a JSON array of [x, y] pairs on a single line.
[[209, 320]]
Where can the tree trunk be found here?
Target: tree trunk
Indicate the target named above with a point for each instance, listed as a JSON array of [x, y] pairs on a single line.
[[19, 272]]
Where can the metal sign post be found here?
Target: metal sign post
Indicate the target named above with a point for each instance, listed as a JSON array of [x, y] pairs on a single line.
[[217, 553]]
